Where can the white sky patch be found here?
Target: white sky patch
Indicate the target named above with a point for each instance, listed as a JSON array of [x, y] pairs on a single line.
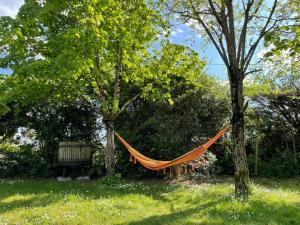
[[262, 52], [163, 34], [179, 30], [39, 57], [194, 24], [224, 82], [191, 23], [276, 63], [10, 7], [176, 32], [250, 79], [177, 16]]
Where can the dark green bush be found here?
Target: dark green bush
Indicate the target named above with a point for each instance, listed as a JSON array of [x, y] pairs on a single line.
[[282, 165], [164, 132]]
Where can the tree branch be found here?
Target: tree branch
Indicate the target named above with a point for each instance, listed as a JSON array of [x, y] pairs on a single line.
[[224, 57], [231, 30], [262, 34], [127, 103], [228, 37], [243, 34], [252, 71], [214, 11], [220, 38], [118, 72]]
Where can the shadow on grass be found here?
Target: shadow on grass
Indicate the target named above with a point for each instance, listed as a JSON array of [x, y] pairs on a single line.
[[177, 217], [220, 212], [42, 193]]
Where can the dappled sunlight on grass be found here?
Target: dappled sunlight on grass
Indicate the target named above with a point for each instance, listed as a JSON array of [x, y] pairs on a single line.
[[148, 202]]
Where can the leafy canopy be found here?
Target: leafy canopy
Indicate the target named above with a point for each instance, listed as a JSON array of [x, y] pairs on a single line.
[[91, 49]]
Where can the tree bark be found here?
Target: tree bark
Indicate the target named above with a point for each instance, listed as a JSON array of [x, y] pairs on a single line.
[[110, 149], [256, 155], [241, 175], [294, 148]]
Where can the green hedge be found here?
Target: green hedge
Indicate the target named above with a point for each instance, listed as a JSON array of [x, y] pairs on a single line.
[[20, 161]]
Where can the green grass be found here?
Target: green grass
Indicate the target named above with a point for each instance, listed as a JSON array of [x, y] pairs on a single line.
[[147, 202]]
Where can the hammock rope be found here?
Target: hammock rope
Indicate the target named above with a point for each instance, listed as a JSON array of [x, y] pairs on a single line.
[[153, 164]]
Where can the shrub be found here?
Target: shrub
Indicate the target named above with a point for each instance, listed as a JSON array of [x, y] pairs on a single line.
[[281, 165], [20, 161], [204, 166]]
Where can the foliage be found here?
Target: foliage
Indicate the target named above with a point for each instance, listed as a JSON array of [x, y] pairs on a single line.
[[280, 75], [274, 124], [147, 202], [20, 161], [223, 151], [63, 121], [88, 64], [280, 72], [279, 164], [285, 38], [204, 167]]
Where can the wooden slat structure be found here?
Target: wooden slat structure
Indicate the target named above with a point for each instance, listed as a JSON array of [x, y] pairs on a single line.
[[74, 152]]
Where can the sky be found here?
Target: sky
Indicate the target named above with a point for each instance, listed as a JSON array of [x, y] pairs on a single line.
[[181, 34], [9, 8]]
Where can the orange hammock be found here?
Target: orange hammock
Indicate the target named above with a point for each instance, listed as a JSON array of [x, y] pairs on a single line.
[[152, 164]]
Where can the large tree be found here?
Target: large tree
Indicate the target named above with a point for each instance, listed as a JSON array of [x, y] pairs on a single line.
[[235, 28], [95, 50]]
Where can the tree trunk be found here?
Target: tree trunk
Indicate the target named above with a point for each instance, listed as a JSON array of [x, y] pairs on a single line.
[[241, 175], [256, 155], [294, 149], [110, 149]]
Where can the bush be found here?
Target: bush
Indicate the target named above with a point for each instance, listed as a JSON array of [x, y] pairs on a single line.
[[281, 165], [20, 161], [205, 166], [98, 162], [112, 180], [223, 152]]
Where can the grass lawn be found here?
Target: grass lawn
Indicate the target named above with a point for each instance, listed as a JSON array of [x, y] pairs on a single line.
[[147, 202]]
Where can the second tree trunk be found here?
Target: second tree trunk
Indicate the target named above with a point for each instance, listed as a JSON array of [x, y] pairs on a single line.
[[241, 175]]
